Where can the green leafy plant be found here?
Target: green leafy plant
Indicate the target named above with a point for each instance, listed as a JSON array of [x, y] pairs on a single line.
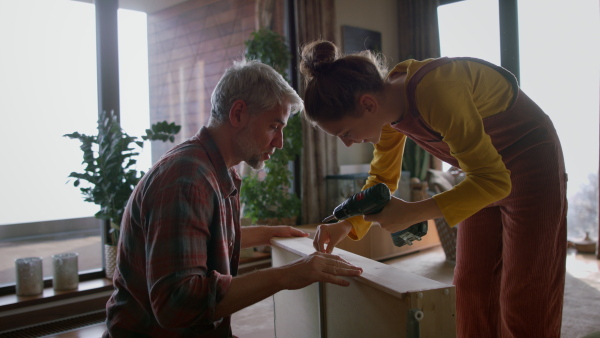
[[271, 197], [109, 160], [270, 48]]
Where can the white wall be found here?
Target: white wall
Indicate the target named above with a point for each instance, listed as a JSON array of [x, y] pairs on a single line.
[[375, 15]]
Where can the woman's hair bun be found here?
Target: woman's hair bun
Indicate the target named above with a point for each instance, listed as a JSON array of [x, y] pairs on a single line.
[[317, 57]]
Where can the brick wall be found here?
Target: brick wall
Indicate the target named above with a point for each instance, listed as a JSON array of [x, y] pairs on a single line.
[[190, 46]]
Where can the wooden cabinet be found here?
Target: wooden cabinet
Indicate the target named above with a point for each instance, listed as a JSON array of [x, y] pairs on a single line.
[[383, 302]]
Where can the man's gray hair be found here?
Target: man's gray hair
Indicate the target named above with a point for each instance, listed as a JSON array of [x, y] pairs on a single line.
[[255, 83]]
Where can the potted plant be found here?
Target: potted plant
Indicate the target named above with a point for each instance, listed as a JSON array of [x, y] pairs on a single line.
[[267, 197], [109, 158]]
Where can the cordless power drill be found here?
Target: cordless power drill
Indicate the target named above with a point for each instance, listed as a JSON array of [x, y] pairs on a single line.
[[372, 201]]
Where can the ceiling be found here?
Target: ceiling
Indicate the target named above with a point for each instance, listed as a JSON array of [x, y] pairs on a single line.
[[148, 6]]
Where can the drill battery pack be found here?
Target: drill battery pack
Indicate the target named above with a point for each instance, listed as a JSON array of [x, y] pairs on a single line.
[[410, 234]]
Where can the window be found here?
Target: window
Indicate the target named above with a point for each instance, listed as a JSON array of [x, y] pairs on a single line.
[[49, 81], [464, 33], [559, 53], [49, 86]]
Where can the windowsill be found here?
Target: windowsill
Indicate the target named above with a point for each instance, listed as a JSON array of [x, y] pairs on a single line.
[[17, 312], [91, 296], [98, 285], [9, 302]]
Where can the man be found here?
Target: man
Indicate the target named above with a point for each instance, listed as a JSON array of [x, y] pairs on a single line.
[[180, 235]]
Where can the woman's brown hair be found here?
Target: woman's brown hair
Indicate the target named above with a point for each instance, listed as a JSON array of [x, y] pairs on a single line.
[[333, 82]]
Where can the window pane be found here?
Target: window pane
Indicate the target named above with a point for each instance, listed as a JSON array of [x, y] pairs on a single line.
[[559, 52], [49, 82], [133, 79], [470, 28]]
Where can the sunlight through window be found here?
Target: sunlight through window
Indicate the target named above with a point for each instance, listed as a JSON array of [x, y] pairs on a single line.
[[49, 87]]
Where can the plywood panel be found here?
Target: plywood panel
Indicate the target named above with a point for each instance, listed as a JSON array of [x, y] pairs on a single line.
[[300, 307], [380, 303], [378, 314]]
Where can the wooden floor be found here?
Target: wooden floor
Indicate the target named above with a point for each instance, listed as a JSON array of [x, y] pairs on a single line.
[[584, 268]]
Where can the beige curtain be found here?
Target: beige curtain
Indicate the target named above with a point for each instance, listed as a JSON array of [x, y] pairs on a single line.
[[316, 20]]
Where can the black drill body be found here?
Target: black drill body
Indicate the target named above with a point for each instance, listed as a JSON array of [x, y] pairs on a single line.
[[372, 201]]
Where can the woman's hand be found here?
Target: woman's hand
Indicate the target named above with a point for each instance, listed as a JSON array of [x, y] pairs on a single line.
[[330, 234]]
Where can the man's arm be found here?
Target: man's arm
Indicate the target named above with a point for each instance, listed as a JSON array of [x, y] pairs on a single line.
[[253, 287], [261, 235]]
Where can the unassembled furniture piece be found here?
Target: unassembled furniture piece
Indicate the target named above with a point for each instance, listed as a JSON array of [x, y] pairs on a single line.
[[383, 302]]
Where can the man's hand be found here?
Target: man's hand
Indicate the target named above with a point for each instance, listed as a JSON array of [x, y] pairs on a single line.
[[331, 234], [285, 231], [249, 288], [261, 235], [318, 267]]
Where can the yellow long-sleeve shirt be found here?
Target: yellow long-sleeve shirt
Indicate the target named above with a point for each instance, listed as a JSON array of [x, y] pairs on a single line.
[[453, 99]]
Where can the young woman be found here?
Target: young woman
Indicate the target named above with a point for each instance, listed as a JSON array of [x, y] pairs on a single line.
[[510, 209]]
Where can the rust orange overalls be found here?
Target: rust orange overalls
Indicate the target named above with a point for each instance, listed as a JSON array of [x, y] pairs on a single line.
[[510, 266]]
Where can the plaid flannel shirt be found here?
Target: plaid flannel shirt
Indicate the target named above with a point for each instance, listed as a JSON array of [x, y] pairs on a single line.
[[179, 246]]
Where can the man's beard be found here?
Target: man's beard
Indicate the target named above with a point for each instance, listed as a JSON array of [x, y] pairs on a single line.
[[249, 150]]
